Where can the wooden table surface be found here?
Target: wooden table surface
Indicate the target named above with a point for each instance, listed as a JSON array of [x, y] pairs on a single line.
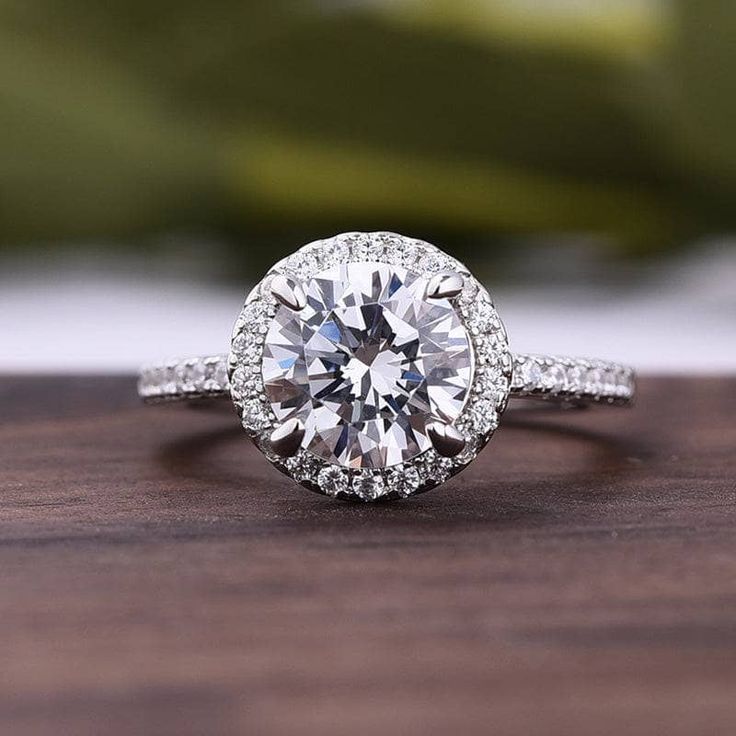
[[158, 577]]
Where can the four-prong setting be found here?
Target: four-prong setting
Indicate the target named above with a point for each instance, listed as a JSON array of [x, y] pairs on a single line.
[[446, 439], [288, 292], [287, 439], [445, 285]]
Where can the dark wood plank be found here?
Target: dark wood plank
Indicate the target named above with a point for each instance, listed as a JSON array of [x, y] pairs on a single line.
[[158, 577]]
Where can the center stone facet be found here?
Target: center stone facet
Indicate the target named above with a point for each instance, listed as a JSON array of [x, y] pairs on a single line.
[[367, 364]]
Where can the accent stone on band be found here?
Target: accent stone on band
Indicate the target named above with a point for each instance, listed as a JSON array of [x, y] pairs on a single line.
[[184, 378], [562, 378]]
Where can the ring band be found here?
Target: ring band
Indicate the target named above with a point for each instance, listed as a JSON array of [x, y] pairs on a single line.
[[580, 381], [375, 366]]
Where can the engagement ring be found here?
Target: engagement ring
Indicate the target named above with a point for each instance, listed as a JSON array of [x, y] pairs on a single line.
[[375, 366]]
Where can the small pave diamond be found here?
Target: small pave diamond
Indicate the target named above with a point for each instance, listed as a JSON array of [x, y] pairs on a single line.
[[433, 262], [554, 378], [303, 467], [357, 244], [404, 482], [333, 480], [239, 382], [256, 316], [413, 254], [369, 487], [530, 375], [436, 469], [483, 416], [489, 381], [246, 347], [482, 317], [303, 264], [255, 416], [192, 376]]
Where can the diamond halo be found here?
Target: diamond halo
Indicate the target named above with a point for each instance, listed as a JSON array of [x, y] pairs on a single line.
[[472, 386]]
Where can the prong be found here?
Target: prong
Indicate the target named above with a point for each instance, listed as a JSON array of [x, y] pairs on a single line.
[[288, 292], [445, 285], [287, 439], [446, 439]]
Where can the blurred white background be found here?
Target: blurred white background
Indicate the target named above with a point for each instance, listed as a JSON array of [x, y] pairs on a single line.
[[89, 315]]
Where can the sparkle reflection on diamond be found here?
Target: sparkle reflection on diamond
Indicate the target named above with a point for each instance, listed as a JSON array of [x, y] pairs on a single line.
[[367, 364]]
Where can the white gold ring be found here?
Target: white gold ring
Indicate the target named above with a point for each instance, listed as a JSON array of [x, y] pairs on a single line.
[[375, 366]]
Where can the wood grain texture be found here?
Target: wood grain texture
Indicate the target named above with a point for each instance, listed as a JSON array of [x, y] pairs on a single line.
[[158, 577]]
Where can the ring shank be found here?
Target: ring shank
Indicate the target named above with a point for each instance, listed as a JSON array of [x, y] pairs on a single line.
[[550, 378]]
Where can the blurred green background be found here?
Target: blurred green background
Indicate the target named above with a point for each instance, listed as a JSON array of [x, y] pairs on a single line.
[[271, 122]]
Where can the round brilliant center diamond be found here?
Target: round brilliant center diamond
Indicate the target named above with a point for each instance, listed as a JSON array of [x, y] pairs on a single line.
[[367, 364]]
